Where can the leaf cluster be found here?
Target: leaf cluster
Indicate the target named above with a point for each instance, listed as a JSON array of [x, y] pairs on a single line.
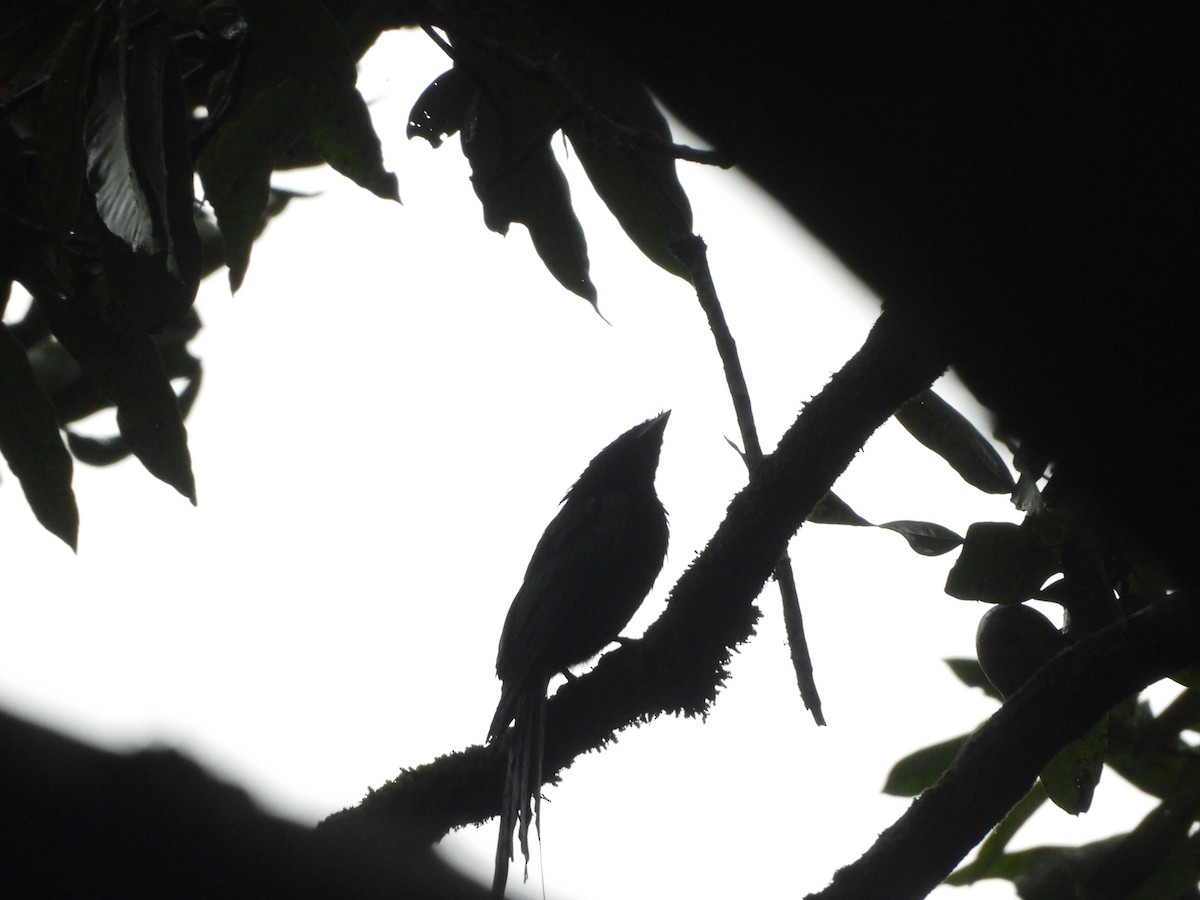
[[110, 112], [1057, 554], [113, 111]]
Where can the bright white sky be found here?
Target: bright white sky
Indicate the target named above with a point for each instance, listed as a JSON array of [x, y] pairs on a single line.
[[392, 407]]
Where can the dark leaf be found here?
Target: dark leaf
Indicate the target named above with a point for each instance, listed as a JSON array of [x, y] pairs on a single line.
[[105, 451], [530, 189], [1070, 778], [1150, 753], [833, 510], [124, 195], [178, 184], [61, 159], [614, 141], [213, 242], [1177, 873], [946, 431], [126, 367], [442, 107], [32, 445], [1052, 873], [927, 538], [920, 770], [506, 139], [1000, 563], [970, 673], [1042, 873], [342, 132], [1156, 861], [236, 166]]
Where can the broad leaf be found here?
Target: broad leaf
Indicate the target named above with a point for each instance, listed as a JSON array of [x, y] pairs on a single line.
[[342, 132], [442, 107], [141, 169], [970, 673], [615, 141], [529, 188], [1000, 563], [946, 431], [61, 159], [833, 510], [32, 445], [124, 195], [920, 770], [506, 139], [105, 451], [126, 367], [236, 167], [1070, 778]]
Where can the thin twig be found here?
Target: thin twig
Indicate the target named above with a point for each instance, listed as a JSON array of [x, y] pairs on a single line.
[[692, 252]]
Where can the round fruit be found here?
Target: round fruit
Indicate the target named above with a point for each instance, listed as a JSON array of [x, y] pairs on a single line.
[[1013, 642]]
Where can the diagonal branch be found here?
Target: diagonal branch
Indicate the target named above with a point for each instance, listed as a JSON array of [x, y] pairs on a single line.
[[1000, 762], [681, 663]]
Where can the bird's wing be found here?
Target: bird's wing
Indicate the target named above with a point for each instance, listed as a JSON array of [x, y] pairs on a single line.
[[580, 539]]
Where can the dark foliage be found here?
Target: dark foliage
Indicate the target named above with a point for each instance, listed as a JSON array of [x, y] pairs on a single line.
[[1018, 184]]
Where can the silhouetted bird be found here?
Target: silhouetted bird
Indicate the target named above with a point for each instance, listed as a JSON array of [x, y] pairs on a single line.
[[591, 570]]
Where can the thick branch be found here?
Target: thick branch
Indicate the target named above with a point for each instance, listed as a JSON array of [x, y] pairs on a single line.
[[998, 765], [681, 662]]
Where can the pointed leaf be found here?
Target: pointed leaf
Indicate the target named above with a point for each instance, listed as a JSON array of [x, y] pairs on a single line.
[[970, 673], [637, 182], [1070, 778], [126, 367], [530, 189], [833, 510], [139, 165], [547, 213], [32, 445], [98, 451], [506, 139], [122, 199], [927, 538], [342, 132], [235, 167], [61, 159], [920, 770], [946, 431]]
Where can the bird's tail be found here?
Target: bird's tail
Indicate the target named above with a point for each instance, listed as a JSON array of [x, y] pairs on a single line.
[[522, 800]]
